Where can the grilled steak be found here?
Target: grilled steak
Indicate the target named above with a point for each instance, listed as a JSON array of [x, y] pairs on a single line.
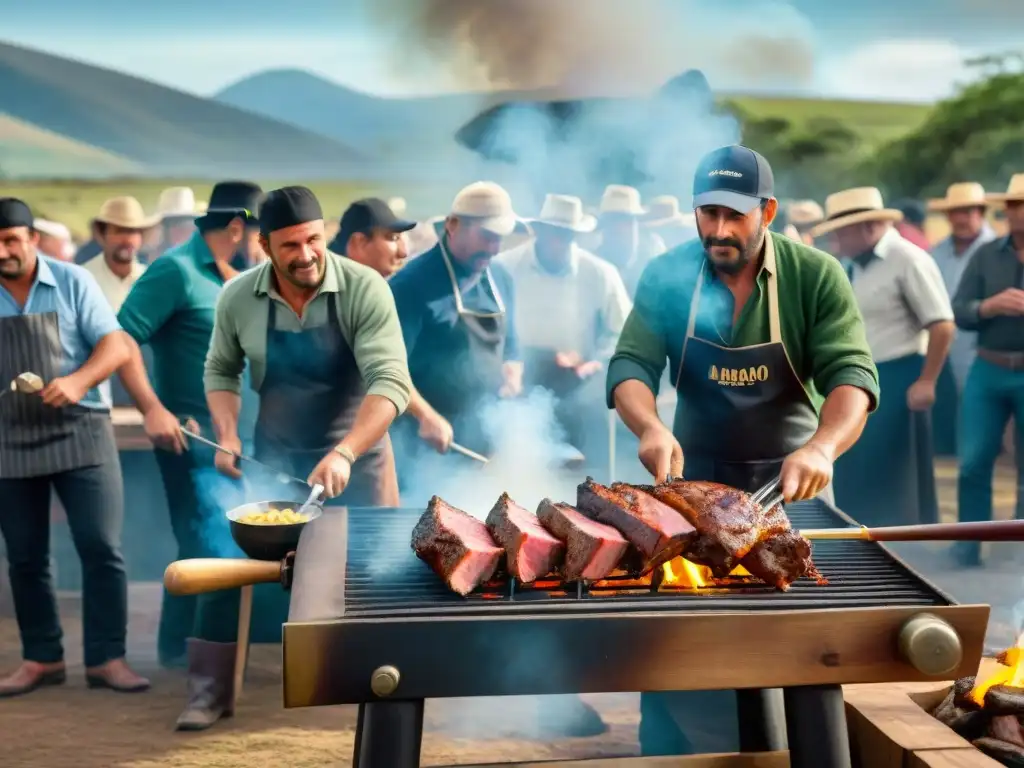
[[728, 523], [456, 546], [657, 532], [781, 555], [592, 549], [530, 551]]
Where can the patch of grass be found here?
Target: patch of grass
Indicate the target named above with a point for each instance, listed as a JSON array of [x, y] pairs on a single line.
[[75, 201], [875, 121]]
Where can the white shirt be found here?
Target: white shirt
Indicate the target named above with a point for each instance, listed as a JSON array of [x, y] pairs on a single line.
[[582, 310], [900, 293], [115, 288]]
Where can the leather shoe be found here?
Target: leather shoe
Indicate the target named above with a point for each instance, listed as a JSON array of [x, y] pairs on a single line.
[[116, 675], [30, 676]]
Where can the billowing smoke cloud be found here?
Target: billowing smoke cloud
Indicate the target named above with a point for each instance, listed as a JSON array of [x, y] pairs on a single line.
[[598, 47]]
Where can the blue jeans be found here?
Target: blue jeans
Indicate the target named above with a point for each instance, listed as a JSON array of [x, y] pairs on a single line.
[[991, 396], [93, 500]]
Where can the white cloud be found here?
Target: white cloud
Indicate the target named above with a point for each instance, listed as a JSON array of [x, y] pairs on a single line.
[[898, 70]]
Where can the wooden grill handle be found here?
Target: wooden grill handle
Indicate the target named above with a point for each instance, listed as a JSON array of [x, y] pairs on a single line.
[[194, 577], [991, 530]]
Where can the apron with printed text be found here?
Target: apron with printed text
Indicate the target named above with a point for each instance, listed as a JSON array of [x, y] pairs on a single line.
[[741, 411]]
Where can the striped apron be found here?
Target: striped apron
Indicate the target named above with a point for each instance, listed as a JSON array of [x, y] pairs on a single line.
[[36, 439]]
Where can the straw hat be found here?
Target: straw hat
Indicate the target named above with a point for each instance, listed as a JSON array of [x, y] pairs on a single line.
[[565, 212], [804, 213], [967, 194], [53, 229], [1014, 192], [126, 213], [854, 206], [176, 203], [488, 203], [664, 211], [398, 206], [619, 199]]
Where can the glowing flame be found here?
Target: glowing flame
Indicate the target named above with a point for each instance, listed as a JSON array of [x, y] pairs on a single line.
[[682, 573], [1011, 674]]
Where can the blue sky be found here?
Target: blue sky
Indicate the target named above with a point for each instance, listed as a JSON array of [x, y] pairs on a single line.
[[902, 49]]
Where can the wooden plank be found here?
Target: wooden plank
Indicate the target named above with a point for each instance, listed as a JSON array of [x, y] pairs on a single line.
[[682, 651], [731, 760], [952, 758]]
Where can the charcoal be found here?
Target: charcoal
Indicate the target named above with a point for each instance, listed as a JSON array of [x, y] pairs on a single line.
[[962, 693], [456, 546], [1004, 700], [656, 530], [1010, 755], [967, 723], [1007, 728], [592, 549], [530, 550]]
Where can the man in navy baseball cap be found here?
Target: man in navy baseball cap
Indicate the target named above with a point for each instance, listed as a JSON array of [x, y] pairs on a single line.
[[734, 199]]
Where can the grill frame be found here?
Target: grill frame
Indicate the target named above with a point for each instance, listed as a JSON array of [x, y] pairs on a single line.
[[463, 647]]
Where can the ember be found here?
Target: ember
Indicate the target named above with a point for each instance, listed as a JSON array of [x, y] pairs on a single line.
[[990, 713]]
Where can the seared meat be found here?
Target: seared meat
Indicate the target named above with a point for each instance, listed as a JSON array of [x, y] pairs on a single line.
[[530, 551], [456, 546], [781, 555], [657, 532], [734, 530], [593, 549]]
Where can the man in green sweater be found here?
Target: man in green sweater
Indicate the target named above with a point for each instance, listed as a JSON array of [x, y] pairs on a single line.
[[766, 348], [326, 356]]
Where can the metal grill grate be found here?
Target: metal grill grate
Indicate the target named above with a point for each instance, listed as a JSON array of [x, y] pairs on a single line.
[[384, 578]]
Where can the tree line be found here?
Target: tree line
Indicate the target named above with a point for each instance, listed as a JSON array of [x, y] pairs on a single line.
[[977, 135]]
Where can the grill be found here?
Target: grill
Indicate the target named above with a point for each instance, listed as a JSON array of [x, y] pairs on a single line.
[[375, 627]]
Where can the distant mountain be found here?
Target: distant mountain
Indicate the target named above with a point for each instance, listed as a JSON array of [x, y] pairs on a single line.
[[168, 132], [371, 123], [26, 150]]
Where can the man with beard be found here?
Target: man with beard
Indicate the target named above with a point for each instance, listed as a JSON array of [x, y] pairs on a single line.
[[768, 354], [327, 359], [170, 310], [119, 227], [457, 318], [55, 323]]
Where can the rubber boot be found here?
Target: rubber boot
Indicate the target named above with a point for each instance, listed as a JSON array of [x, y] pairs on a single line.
[[211, 684]]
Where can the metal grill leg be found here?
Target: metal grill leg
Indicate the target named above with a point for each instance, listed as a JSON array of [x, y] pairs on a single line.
[[762, 719], [388, 735], [816, 725]]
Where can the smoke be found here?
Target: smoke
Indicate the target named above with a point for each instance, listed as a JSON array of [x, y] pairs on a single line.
[[596, 47]]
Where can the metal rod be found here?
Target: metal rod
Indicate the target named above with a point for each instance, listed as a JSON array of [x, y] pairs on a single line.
[[389, 734], [988, 530], [762, 720], [611, 446], [816, 727], [468, 453], [285, 477]]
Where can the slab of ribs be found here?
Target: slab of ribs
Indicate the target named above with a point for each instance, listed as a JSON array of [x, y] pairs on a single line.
[[619, 528]]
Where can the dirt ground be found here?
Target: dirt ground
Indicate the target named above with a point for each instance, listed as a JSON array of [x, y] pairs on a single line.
[[75, 727]]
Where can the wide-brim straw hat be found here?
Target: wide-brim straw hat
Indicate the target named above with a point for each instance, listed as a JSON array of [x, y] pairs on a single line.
[[177, 203], [854, 206], [1014, 191], [126, 213], [621, 200], [487, 204], [804, 213], [967, 194], [565, 212], [663, 211]]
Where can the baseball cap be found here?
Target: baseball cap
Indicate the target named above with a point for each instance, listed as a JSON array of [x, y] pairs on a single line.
[[365, 216], [734, 177]]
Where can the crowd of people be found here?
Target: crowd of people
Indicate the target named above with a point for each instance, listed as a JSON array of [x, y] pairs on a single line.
[[821, 343]]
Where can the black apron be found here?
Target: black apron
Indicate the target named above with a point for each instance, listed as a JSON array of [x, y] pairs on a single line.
[[309, 397], [457, 388], [37, 439], [741, 411]]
